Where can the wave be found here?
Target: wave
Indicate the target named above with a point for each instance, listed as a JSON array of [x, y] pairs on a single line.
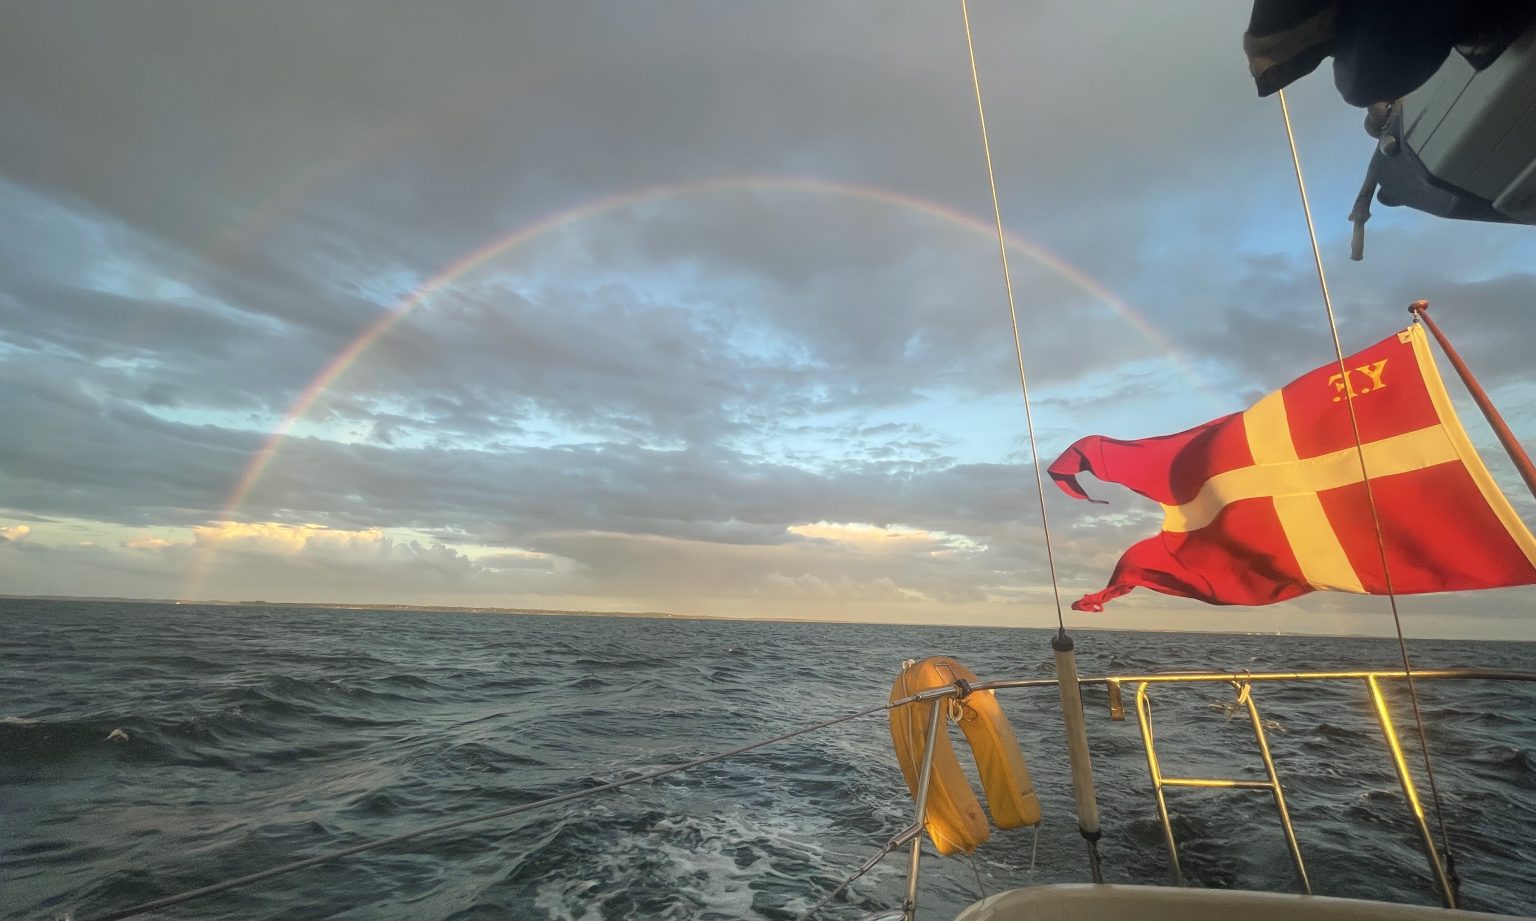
[[250, 738]]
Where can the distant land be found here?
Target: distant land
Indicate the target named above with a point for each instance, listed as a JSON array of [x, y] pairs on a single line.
[[439, 609], [655, 615], [345, 606]]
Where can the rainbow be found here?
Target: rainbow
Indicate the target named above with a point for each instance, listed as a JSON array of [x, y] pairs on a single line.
[[464, 265]]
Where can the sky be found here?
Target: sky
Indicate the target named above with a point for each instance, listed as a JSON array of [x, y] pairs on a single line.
[[675, 306]]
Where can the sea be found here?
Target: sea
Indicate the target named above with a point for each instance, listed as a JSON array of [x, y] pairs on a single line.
[[148, 749]]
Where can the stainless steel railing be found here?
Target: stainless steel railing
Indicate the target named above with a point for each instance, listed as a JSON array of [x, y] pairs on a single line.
[[1160, 782], [1244, 682]]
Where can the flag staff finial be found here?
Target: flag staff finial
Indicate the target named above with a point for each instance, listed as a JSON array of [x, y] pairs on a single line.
[[1512, 446]]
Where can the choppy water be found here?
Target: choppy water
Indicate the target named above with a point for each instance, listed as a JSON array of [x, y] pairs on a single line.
[[259, 735]]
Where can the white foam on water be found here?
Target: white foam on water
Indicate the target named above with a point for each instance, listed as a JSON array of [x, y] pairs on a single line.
[[561, 899], [696, 857]]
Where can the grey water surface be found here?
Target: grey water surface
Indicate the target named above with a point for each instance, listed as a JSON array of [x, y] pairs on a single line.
[[148, 749]]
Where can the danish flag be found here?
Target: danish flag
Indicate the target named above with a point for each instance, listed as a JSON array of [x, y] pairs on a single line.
[[1268, 504]]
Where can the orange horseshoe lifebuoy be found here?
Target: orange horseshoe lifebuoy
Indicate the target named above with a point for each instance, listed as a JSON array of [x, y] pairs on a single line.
[[954, 821]]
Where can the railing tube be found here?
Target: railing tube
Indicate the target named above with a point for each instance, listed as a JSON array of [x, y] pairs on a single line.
[[1144, 717], [1274, 781], [1410, 792], [1489, 674], [935, 726]]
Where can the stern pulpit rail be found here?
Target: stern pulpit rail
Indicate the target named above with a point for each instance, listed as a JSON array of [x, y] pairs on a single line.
[[1371, 679]]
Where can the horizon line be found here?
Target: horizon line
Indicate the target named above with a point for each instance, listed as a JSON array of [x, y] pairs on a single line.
[[669, 615]]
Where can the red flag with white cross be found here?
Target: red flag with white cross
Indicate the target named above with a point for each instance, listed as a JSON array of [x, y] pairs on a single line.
[[1268, 504]]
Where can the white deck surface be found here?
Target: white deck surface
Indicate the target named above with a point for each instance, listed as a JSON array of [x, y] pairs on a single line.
[[1083, 902]]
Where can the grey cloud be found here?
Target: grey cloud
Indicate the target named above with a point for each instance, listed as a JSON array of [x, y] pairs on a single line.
[[207, 115], [96, 324], [654, 394]]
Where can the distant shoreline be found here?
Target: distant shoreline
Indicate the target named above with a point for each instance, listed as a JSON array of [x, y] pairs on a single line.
[[449, 609], [714, 618], [379, 606]]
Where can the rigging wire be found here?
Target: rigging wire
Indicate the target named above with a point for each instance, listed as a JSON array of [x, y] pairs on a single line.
[[1013, 315], [889, 848], [319, 859], [1381, 542]]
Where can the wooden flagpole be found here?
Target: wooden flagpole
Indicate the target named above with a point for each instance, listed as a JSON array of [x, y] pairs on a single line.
[[1507, 438]]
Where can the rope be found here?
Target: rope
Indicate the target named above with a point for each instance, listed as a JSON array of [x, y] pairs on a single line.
[[317, 860], [1013, 315], [1381, 541], [1034, 849], [981, 890]]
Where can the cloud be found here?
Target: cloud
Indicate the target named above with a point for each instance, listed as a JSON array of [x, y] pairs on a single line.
[[516, 560], [286, 539], [881, 589], [737, 396], [886, 538], [15, 532]]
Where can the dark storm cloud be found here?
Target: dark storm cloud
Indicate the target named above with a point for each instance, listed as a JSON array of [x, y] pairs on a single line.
[[174, 114], [420, 133]]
